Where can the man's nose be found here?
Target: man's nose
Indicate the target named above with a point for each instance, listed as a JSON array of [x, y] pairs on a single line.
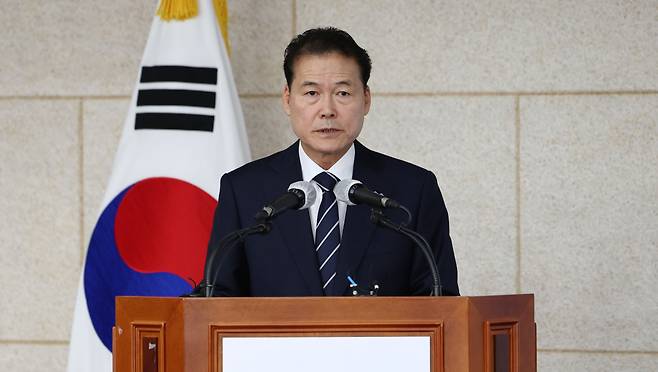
[[328, 108]]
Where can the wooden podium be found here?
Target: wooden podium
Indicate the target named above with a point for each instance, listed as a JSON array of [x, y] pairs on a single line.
[[484, 334]]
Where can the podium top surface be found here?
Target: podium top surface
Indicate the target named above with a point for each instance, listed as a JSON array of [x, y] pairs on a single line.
[[351, 309]]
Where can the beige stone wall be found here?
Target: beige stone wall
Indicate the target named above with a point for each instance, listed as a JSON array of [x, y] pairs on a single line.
[[539, 118]]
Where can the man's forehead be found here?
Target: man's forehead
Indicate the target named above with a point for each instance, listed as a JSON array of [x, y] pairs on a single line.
[[333, 65], [328, 73]]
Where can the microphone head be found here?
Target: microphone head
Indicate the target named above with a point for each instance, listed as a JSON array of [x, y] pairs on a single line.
[[309, 189], [342, 190]]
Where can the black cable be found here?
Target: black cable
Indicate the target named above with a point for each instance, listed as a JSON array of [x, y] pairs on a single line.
[[438, 288], [406, 210], [234, 238], [378, 217]]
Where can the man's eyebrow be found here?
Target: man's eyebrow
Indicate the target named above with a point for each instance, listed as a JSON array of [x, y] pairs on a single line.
[[310, 83]]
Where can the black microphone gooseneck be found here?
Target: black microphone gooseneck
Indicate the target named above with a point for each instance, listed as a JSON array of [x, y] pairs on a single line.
[[378, 217], [354, 192], [300, 195], [230, 241]]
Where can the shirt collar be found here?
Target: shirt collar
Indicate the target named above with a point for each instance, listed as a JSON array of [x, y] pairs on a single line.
[[342, 169]]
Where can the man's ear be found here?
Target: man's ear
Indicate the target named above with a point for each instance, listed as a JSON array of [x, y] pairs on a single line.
[[367, 100], [285, 99]]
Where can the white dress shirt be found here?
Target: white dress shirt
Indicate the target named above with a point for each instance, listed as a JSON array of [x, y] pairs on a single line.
[[342, 169]]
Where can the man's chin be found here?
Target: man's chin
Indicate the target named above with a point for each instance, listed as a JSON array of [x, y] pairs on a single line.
[[326, 149]]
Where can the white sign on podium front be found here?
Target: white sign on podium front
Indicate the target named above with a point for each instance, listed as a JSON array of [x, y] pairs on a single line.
[[326, 354]]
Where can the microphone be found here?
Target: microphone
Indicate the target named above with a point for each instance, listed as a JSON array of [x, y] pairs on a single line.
[[354, 192], [300, 195]]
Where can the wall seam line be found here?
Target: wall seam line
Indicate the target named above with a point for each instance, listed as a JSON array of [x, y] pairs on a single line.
[[294, 18], [517, 149], [518, 93], [34, 342], [81, 164], [584, 351], [375, 93]]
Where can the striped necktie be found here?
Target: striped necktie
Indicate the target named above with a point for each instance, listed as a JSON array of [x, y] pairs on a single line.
[[327, 231]]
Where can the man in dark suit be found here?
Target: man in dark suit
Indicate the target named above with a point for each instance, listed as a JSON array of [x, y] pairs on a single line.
[[327, 98]]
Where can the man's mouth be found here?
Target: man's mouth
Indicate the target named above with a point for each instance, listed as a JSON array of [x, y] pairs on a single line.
[[327, 130]]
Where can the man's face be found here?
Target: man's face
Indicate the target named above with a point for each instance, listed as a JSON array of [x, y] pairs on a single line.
[[326, 103]]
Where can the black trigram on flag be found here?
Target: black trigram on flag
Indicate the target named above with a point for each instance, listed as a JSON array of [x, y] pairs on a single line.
[[187, 92]]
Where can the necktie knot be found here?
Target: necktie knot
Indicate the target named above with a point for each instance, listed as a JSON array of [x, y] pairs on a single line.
[[326, 180]]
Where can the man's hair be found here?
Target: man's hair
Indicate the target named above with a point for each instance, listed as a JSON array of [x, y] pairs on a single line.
[[318, 41]]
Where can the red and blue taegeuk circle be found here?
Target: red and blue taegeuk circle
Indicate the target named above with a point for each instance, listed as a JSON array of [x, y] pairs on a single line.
[[150, 240]]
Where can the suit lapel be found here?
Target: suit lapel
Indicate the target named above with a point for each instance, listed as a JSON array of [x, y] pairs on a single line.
[[358, 230], [294, 227]]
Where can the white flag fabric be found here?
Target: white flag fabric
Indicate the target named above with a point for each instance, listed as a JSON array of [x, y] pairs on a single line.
[[184, 129]]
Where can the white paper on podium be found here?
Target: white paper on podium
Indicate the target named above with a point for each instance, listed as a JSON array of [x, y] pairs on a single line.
[[326, 354]]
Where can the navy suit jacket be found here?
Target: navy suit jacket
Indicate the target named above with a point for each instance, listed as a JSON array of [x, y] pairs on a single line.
[[283, 262]]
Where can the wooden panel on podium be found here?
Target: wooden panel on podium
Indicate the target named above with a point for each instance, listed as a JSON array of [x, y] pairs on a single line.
[[488, 334]]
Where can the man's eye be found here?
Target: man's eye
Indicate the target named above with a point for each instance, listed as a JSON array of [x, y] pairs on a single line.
[[311, 93], [343, 93]]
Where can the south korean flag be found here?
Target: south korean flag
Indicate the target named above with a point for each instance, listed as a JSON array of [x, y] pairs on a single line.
[[184, 129]]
